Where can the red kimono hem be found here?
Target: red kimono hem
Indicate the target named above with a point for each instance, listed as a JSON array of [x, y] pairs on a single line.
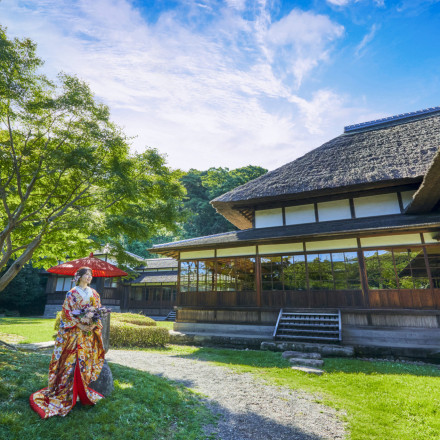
[[78, 390], [35, 407]]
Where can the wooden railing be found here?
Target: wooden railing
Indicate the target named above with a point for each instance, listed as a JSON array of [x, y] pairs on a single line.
[[217, 299], [404, 299], [375, 299], [151, 304], [312, 298]]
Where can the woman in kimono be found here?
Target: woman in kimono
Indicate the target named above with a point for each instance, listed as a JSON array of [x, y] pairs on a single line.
[[78, 354]]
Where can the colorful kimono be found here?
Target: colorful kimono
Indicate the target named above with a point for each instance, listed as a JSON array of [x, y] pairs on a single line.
[[77, 360]]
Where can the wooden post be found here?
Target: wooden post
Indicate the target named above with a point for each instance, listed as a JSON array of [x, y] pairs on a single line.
[[106, 331], [178, 296], [363, 273], [258, 276]]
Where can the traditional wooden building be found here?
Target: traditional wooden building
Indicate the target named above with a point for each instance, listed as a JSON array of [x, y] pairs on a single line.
[[344, 241], [152, 292]]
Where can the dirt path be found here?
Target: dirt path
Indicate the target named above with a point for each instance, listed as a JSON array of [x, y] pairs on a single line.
[[248, 408]]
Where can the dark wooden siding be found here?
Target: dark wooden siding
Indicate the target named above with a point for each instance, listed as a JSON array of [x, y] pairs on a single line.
[[405, 299], [218, 299], [345, 299]]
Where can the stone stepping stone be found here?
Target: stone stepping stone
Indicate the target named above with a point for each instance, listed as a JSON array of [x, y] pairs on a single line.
[[309, 370], [307, 362], [300, 355], [36, 346]]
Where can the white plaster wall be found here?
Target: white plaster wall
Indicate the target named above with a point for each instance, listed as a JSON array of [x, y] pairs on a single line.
[[429, 237], [296, 215], [280, 248], [390, 240], [407, 197], [197, 254], [345, 243], [334, 210], [381, 204], [266, 218], [235, 252]]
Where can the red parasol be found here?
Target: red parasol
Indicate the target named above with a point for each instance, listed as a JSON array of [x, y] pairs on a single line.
[[99, 267]]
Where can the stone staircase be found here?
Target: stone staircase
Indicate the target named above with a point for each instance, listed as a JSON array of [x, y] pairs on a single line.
[[316, 326], [307, 362], [171, 316], [51, 310], [306, 356]]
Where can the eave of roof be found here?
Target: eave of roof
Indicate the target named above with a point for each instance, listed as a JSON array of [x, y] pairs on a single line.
[[388, 154], [322, 230], [428, 194]]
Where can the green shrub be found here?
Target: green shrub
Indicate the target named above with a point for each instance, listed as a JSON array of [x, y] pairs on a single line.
[[133, 318], [132, 330], [124, 334], [56, 325]]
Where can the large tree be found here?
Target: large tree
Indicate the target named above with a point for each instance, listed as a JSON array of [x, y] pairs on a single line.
[[67, 178], [202, 187]]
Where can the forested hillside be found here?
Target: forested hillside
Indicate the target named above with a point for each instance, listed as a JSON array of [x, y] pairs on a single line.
[[201, 217]]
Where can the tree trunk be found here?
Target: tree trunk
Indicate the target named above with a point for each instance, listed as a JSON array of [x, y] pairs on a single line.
[[12, 272]]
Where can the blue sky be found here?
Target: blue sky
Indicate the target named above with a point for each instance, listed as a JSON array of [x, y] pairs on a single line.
[[238, 82]]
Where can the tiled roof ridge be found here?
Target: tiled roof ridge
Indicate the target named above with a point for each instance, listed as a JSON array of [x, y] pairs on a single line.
[[391, 120]]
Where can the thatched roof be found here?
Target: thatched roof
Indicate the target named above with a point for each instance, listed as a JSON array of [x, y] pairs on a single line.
[[392, 151], [157, 277], [158, 263], [428, 194], [322, 230]]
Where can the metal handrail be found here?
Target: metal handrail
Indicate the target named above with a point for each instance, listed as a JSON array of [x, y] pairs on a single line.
[[276, 325], [340, 325]]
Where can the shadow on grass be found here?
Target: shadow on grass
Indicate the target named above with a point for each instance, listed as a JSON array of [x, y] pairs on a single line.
[[141, 406]]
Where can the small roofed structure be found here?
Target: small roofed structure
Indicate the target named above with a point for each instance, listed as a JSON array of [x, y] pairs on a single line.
[[152, 292], [350, 229]]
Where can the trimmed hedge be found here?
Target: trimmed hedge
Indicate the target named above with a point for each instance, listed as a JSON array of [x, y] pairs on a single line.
[[56, 326], [132, 330], [124, 334], [133, 318]]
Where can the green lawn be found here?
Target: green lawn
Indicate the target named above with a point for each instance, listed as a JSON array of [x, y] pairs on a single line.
[[26, 330], [29, 330], [166, 324], [381, 400], [142, 406]]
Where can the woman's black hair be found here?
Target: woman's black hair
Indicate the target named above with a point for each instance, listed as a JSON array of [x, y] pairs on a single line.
[[82, 271]]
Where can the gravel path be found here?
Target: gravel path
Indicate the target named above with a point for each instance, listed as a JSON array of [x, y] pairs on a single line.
[[248, 408]]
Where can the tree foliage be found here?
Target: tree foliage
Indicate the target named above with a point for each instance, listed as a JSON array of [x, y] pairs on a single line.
[[67, 179], [199, 218], [204, 186]]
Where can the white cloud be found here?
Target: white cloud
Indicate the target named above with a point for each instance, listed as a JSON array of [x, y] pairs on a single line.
[[367, 39], [339, 2], [236, 4], [213, 94], [379, 3], [309, 35]]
